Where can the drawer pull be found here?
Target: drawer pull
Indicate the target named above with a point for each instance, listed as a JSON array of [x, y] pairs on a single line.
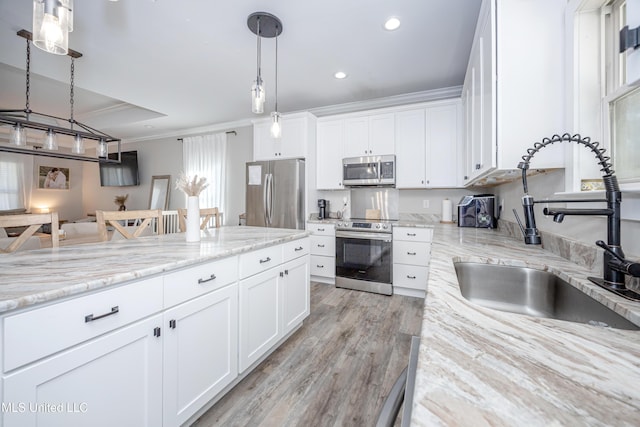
[[411, 253], [212, 277], [156, 332], [320, 246], [410, 277], [298, 249], [267, 259], [172, 323], [319, 266], [411, 234], [90, 317], [320, 229]]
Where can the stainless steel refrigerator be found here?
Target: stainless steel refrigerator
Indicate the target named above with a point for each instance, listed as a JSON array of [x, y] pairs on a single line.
[[275, 194]]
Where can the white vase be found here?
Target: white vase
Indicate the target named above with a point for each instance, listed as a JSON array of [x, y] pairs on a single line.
[[193, 219]]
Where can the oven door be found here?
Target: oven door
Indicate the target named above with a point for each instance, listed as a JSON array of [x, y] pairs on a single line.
[[363, 261]]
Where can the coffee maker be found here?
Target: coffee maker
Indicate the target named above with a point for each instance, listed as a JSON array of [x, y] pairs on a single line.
[[323, 208]]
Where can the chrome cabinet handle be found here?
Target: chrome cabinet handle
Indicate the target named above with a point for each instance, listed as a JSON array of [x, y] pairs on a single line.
[[410, 277], [298, 249], [320, 246], [320, 229], [212, 277], [411, 234], [267, 259], [319, 266], [90, 317], [411, 253]]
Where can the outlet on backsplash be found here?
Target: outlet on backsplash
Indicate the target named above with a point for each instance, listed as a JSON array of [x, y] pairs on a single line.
[[425, 204]]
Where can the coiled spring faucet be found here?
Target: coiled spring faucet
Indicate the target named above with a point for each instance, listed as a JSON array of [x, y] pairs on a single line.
[[615, 264]]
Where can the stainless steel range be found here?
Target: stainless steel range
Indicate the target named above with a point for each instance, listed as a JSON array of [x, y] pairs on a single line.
[[363, 245], [363, 256]]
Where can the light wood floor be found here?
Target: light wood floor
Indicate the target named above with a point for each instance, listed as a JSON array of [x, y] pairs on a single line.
[[334, 371]]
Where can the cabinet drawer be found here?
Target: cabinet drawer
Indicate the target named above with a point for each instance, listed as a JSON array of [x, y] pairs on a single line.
[[260, 260], [34, 334], [295, 249], [412, 234], [414, 253], [322, 229], [323, 245], [410, 276], [323, 266], [189, 283]]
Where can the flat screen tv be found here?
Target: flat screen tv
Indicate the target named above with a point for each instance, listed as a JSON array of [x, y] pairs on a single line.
[[120, 175]]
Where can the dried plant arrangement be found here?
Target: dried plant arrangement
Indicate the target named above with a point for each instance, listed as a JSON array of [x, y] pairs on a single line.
[[121, 200], [191, 186]]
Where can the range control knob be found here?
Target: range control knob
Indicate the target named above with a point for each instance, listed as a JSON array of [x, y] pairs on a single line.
[[378, 226], [385, 226]]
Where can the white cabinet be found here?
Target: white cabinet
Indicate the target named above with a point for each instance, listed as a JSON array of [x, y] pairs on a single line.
[[200, 351], [114, 379], [272, 301], [323, 252], [369, 135], [505, 110], [429, 146], [330, 154], [294, 143], [411, 254]]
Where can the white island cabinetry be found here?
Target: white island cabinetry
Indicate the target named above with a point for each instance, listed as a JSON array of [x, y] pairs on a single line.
[[153, 351]]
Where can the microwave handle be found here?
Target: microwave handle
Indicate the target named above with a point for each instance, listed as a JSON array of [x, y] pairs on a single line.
[[379, 170]]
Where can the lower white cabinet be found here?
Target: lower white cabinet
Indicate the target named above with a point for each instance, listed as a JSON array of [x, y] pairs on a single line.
[[323, 252], [200, 352], [411, 254], [295, 293], [113, 380]]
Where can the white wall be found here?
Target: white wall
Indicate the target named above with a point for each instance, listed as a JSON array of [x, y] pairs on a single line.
[[239, 152], [586, 229]]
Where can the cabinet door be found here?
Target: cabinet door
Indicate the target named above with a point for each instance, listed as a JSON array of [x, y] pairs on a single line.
[[329, 155], [293, 142], [356, 137], [200, 352], [259, 316], [410, 149], [382, 134], [442, 124], [488, 156], [295, 293], [265, 147], [112, 380]]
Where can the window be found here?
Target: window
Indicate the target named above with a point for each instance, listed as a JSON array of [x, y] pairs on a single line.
[[16, 171]]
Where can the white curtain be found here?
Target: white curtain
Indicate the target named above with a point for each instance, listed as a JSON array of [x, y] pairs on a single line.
[[206, 156], [16, 181]]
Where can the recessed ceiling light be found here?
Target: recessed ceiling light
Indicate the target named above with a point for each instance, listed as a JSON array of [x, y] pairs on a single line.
[[148, 126], [340, 75], [392, 24]]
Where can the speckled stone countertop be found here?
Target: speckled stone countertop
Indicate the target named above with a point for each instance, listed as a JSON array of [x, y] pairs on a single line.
[[482, 367], [33, 277]]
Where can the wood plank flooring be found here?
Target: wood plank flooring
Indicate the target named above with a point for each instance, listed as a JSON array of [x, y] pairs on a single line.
[[334, 371]]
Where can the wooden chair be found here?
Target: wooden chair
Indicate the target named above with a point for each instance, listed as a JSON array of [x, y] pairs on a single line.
[[34, 222], [206, 215], [120, 220]]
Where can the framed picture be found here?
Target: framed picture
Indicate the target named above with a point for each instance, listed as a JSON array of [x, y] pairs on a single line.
[[53, 177]]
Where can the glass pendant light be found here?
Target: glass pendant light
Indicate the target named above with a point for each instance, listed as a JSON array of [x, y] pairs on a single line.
[[276, 125], [51, 26], [18, 136], [257, 89], [103, 149], [50, 141], [78, 145]]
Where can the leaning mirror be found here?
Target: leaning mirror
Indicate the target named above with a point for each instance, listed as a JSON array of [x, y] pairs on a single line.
[[159, 197]]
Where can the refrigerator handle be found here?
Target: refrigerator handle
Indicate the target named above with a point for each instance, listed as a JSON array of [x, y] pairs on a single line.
[[270, 206], [265, 190]]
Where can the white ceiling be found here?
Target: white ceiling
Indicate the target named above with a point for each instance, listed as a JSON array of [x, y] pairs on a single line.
[[166, 67]]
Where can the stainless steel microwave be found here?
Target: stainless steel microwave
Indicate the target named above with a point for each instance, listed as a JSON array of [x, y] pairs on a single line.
[[369, 171]]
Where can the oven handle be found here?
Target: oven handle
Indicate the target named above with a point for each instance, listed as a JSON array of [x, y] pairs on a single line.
[[385, 237]]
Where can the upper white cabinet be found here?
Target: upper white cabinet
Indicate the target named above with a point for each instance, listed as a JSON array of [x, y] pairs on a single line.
[[329, 154], [429, 145], [369, 135], [297, 129], [513, 89]]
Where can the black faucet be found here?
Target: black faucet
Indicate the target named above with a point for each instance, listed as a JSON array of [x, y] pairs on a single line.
[[615, 265]]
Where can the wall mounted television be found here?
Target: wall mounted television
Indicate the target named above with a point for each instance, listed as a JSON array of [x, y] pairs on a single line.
[[124, 174]]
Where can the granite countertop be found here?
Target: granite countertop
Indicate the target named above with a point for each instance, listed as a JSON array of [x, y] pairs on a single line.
[[479, 366], [38, 276]]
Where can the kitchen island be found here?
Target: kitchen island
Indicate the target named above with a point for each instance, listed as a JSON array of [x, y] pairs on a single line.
[[144, 332], [478, 366]]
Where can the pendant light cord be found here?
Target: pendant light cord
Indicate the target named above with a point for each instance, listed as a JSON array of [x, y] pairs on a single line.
[[71, 91], [259, 77], [27, 107], [276, 68]]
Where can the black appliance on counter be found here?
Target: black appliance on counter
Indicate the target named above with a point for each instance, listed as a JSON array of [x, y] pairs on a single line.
[[323, 209], [477, 211]]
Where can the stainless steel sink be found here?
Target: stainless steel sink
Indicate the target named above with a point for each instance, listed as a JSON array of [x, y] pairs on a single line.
[[533, 292]]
